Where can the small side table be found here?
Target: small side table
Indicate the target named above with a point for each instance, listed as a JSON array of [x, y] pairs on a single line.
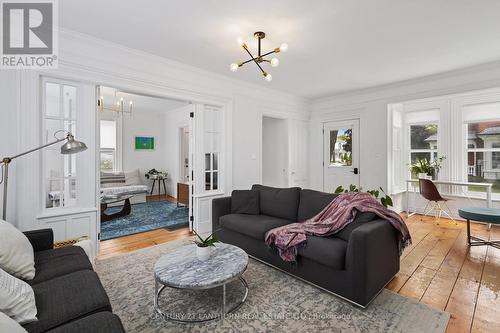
[[160, 179], [487, 215]]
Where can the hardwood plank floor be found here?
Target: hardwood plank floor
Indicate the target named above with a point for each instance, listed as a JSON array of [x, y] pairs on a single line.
[[438, 269], [441, 270]]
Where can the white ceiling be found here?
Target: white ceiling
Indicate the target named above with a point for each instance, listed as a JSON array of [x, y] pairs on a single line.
[[335, 45], [141, 103]]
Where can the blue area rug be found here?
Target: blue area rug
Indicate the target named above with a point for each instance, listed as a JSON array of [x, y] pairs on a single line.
[[145, 217]]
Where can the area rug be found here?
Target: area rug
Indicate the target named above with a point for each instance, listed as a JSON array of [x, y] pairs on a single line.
[[144, 217], [276, 302]]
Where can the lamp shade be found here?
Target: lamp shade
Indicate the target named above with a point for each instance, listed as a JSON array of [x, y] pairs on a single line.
[[72, 146]]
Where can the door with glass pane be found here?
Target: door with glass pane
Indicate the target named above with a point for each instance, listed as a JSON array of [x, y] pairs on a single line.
[[207, 163], [341, 154]]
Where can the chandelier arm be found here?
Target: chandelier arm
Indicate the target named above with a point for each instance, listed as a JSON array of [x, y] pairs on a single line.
[[254, 60], [247, 61], [268, 53]]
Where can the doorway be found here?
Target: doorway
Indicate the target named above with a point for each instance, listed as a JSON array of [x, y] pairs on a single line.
[[274, 152], [341, 154], [139, 163]]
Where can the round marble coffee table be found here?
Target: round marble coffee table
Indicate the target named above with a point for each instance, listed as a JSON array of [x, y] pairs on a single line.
[[182, 269]]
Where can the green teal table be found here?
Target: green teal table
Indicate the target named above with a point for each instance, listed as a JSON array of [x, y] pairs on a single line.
[[487, 215]]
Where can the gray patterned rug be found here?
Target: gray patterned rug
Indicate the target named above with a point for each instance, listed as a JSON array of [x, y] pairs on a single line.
[[276, 302]]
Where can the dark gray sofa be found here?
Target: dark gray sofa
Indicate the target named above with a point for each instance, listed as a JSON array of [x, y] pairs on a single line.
[[69, 295], [355, 263]]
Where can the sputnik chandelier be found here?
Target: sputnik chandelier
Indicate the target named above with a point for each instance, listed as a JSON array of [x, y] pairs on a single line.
[[259, 59]]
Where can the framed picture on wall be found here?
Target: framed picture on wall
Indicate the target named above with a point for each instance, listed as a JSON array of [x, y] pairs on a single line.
[[144, 143]]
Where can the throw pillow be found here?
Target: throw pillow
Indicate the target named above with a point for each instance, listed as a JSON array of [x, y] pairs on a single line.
[[245, 202], [16, 253], [112, 179], [17, 299], [133, 178], [10, 325]]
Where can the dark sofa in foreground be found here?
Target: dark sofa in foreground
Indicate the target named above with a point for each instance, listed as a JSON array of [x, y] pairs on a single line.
[[69, 295], [355, 263]]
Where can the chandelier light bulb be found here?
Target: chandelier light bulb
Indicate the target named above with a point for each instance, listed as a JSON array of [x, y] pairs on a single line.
[[284, 47], [240, 41], [268, 77], [275, 62], [233, 67]]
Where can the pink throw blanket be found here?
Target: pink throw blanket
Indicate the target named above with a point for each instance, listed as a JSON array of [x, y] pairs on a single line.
[[333, 218]]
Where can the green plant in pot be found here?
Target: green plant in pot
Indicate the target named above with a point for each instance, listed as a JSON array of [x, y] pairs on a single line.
[[422, 168], [204, 246], [385, 199]]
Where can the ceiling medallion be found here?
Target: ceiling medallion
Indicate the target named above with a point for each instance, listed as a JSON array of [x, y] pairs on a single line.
[[259, 59]]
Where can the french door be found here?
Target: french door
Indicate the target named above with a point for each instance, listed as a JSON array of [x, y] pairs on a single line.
[[341, 154]]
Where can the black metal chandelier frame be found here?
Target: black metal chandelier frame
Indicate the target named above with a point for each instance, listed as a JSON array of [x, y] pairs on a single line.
[[259, 59]]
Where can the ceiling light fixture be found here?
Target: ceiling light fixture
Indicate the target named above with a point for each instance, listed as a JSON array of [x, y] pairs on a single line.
[[259, 59]]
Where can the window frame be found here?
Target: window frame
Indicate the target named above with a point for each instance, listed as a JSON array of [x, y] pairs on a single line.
[[410, 150], [71, 121]]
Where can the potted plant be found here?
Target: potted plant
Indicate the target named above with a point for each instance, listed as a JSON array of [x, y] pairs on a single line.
[[422, 168], [204, 246], [385, 199]]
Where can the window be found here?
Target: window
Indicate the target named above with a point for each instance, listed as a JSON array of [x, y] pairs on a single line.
[[212, 146], [59, 117], [108, 151], [341, 147], [483, 154], [423, 142]]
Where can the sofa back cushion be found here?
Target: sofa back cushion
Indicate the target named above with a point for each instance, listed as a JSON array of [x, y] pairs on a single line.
[[245, 202], [312, 202], [279, 202], [133, 178]]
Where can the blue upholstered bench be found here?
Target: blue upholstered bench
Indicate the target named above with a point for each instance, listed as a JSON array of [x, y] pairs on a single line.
[[487, 215]]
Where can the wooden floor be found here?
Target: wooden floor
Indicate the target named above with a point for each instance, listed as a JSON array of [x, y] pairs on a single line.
[[126, 244], [438, 269]]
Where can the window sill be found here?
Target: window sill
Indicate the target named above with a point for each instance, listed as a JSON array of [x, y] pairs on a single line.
[[56, 212]]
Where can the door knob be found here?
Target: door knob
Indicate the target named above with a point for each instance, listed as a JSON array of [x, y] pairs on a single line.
[[355, 171]]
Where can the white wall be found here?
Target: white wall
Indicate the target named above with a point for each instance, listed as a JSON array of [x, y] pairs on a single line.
[[370, 105], [8, 137], [144, 124], [94, 61], [274, 152], [174, 120]]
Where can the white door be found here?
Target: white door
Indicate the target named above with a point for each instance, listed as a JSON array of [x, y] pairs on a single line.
[[208, 164], [341, 154]]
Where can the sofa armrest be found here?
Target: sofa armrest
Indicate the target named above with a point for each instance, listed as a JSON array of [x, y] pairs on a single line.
[[372, 257], [220, 207], [41, 239]]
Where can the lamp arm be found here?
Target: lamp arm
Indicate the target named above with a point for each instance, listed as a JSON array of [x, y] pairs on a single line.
[[7, 160]]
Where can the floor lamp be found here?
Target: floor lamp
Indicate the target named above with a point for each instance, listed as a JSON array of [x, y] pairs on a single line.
[[71, 146]]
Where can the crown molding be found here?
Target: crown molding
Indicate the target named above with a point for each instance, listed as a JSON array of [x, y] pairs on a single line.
[[476, 77], [94, 54]]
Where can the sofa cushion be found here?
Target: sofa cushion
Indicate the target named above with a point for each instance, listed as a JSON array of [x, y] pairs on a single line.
[[57, 262], [279, 202], [254, 226], [245, 202], [360, 219], [100, 322], [329, 251], [312, 202], [66, 298]]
